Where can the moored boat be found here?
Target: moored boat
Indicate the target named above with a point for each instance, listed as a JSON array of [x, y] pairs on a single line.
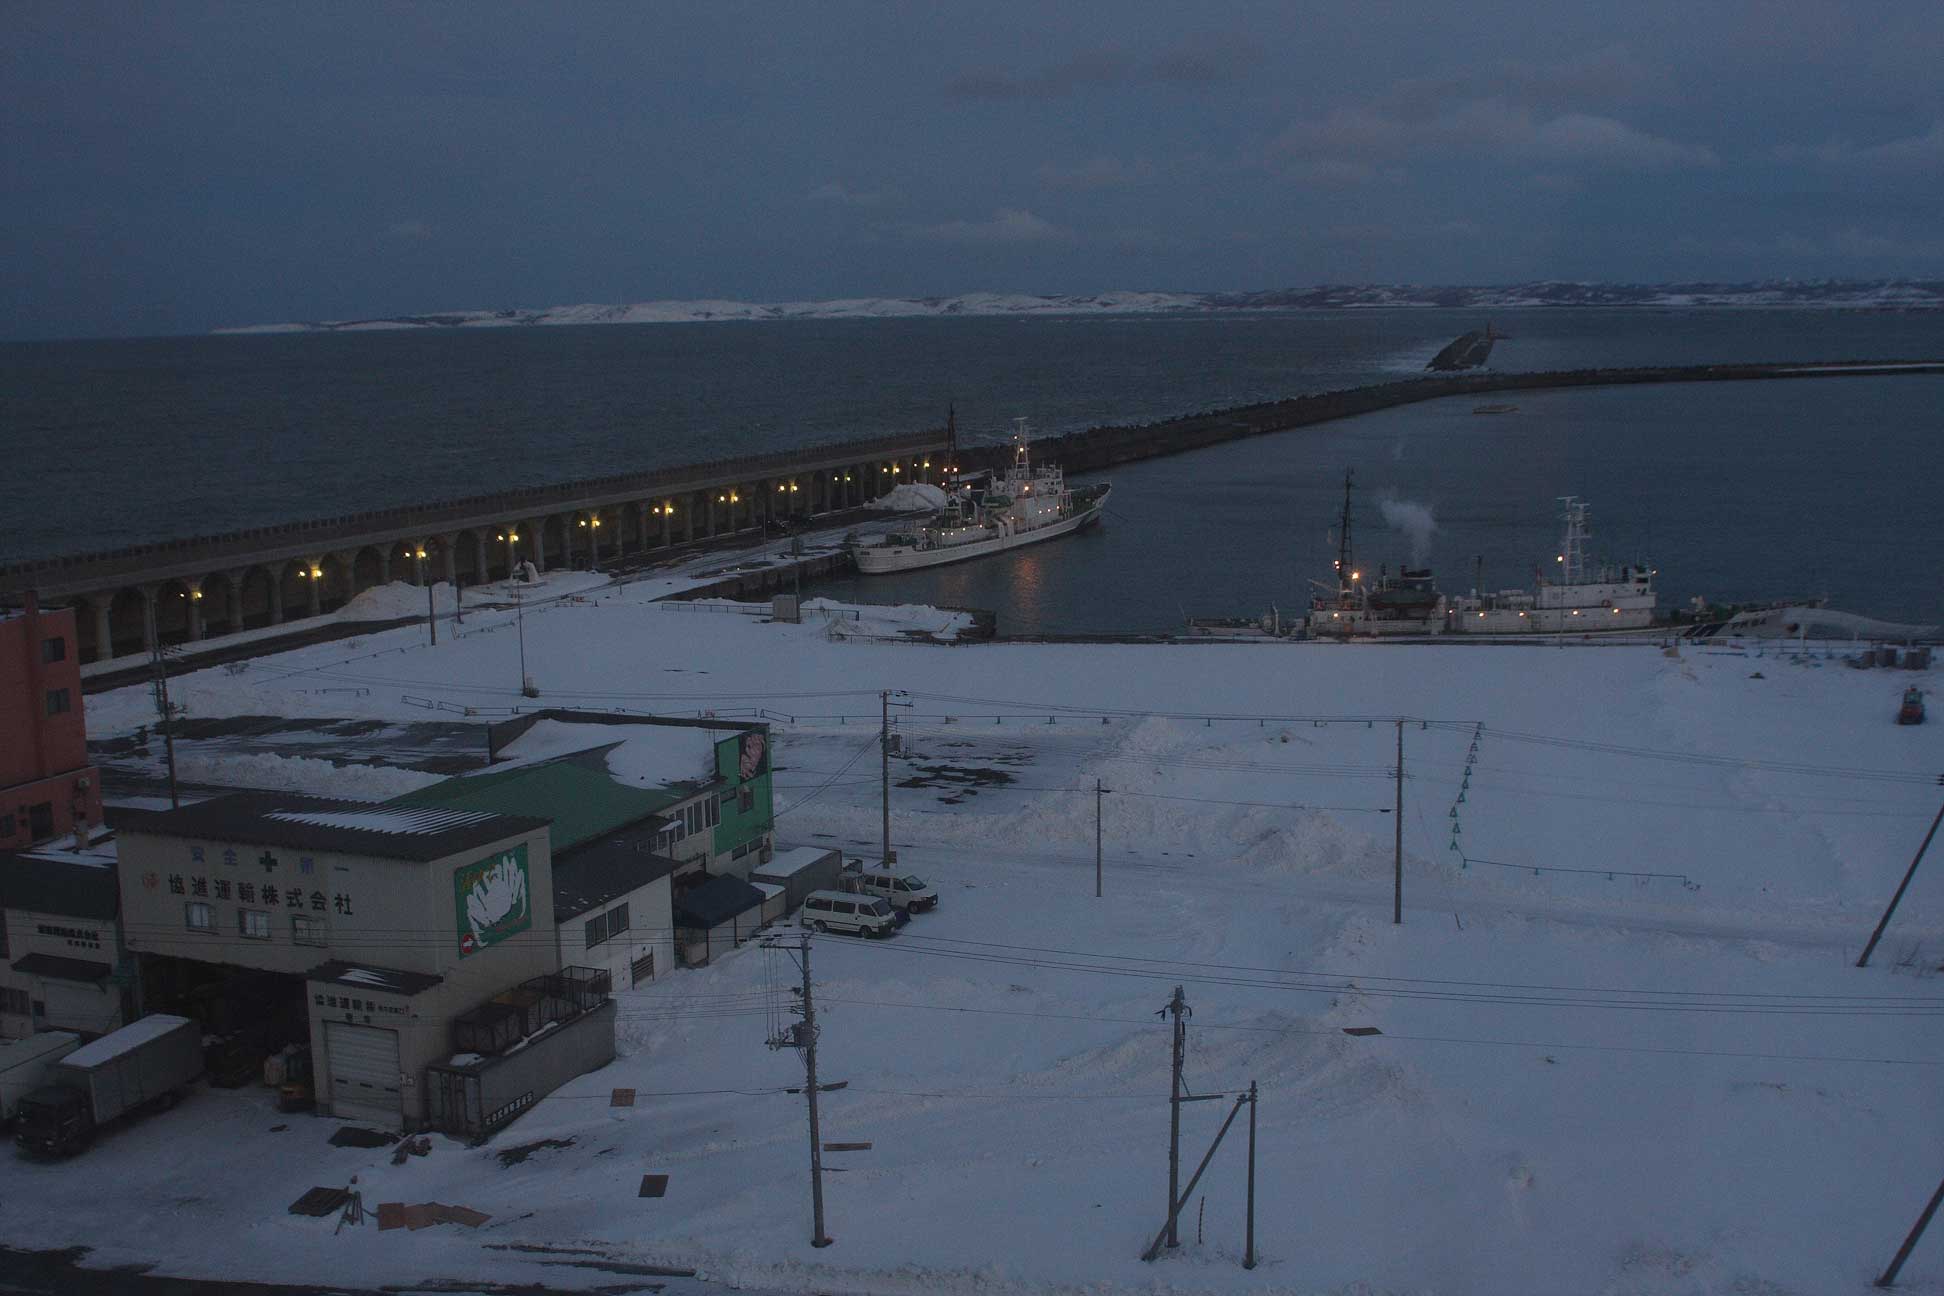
[[1028, 503]]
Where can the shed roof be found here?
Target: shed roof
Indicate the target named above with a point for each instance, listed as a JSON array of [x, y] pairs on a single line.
[[65, 884], [62, 969], [604, 869], [715, 901], [575, 792], [386, 830], [360, 976]]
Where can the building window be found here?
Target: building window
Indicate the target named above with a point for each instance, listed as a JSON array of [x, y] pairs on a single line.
[[745, 798], [305, 930], [617, 920], [253, 923], [53, 650], [596, 930], [58, 702], [14, 1001], [199, 916], [711, 812], [6, 825]]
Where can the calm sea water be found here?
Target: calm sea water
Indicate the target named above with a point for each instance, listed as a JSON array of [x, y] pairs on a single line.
[[1746, 490]]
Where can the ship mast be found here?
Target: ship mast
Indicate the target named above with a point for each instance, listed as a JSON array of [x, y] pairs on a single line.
[[1344, 572], [1021, 460], [1572, 549]]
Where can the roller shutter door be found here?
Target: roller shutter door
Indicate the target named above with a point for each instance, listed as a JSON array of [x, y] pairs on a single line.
[[363, 1062]]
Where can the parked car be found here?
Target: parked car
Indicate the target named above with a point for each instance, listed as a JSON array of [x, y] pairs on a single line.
[[1912, 710], [142, 1067], [904, 890], [24, 1064], [842, 911]]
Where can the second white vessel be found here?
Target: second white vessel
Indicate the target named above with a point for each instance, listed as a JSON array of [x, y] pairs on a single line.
[[1024, 505]]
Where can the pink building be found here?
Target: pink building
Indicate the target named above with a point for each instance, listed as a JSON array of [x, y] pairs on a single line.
[[47, 786]]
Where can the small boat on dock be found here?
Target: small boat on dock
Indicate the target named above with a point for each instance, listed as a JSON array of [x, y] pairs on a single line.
[[987, 515]]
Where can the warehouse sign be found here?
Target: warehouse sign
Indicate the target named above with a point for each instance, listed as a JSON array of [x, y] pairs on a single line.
[[492, 899]]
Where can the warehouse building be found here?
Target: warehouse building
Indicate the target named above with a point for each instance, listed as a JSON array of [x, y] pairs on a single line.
[[363, 930], [62, 962], [611, 891]]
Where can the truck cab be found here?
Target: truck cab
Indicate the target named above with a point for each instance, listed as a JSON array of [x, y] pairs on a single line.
[[53, 1121]]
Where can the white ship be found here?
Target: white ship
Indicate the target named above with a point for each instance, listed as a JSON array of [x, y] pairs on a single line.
[[1025, 505], [1354, 607], [1582, 599]]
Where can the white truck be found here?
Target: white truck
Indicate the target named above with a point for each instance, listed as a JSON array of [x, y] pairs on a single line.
[[906, 891], [24, 1064], [144, 1066]]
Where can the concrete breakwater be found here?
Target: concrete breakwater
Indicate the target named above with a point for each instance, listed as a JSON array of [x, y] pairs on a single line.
[[1100, 448], [177, 591]]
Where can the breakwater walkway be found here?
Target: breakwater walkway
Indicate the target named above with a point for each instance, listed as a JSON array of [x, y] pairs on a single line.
[[128, 600]]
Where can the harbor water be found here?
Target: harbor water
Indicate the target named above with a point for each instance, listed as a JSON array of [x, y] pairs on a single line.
[[1734, 491]]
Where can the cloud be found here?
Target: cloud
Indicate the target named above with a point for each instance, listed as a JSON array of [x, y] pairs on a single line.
[[1923, 154], [408, 230], [1009, 225], [1099, 173], [1362, 137], [840, 194], [1553, 183], [1202, 62], [1209, 61], [1092, 68], [1602, 141], [1605, 77]]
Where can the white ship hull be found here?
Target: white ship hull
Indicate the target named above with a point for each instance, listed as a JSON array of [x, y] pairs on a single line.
[[874, 559]]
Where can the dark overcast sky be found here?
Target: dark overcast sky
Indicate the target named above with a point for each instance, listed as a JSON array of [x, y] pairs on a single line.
[[173, 167]]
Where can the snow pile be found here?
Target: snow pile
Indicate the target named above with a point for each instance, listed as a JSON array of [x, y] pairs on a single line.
[[910, 497], [645, 755], [302, 774], [396, 600]]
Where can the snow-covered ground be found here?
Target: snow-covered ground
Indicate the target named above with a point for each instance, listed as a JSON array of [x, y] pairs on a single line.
[[1623, 1049]]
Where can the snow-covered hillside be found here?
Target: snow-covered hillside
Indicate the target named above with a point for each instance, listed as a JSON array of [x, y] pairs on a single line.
[[1832, 294], [1623, 1049]]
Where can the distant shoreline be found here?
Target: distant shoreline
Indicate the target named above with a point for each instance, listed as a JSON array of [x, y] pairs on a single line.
[[1871, 295]]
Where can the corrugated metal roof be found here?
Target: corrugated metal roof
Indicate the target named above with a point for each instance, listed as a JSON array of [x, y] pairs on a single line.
[[320, 823], [575, 792]]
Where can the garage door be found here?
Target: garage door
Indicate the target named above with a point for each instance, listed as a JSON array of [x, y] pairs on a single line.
[[363, 1062], [79, 1005]]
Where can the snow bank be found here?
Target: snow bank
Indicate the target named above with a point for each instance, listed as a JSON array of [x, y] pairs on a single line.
[[644, 755], [910, 497], [302, 774]]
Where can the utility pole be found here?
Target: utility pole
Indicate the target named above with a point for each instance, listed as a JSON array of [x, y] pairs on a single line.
[[1889, 1275], [431, 614], [519, 625], [1397, 848], [164, 710], [884, 762], [1097, 795], [1178, 1009], [1909, 873], [803, 1037], [1248, 1245]]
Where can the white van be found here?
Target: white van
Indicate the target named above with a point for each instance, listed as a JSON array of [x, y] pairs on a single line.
[[904, 890], [860, 915]]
